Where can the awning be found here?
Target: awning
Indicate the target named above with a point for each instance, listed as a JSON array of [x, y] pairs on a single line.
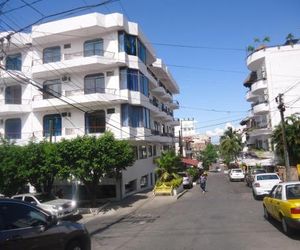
[[191, 162]]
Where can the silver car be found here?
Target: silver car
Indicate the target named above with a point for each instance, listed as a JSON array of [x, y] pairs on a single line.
[[59, 207]]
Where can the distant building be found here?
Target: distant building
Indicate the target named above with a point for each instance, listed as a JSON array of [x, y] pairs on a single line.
[[90, 74], [274, 70], [191, 141]]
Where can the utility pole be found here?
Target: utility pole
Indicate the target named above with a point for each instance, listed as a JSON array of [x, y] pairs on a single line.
[[180, 140], [281, 108]]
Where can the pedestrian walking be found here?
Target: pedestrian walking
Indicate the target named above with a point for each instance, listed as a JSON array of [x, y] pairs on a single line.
[[203, 179]]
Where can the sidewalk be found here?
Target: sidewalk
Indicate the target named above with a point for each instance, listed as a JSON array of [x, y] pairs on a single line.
[[117, 211]]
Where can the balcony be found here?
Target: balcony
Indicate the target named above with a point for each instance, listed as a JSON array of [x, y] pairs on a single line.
[[250, 97], [174, 105], [174, 122], [76, 97], [260, 108], [78, 63], [167, 97], [18, 108], [160, 91], [259, 86], [256, 59]]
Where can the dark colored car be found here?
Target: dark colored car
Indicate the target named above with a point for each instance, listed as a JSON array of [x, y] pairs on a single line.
[[25, 226], [249, 177]]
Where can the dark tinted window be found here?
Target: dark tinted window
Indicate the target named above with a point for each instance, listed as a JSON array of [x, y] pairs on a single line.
[[14, 216], [293, 191], [29, 199], [267, 177]]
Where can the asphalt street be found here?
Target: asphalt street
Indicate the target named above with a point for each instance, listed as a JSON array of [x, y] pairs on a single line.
[[226, 217]]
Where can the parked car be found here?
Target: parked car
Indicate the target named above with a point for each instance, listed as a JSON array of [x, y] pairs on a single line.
[[236, 174], [26, 226], [283, 204], [263, 184], [59, 207], [249, 177], [187, 180]]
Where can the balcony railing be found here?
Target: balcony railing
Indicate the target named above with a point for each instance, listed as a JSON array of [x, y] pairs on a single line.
[[14, 101], [75, 55]]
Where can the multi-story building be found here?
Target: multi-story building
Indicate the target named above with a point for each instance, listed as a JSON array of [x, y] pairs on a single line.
[[274, 70], [86, 75]]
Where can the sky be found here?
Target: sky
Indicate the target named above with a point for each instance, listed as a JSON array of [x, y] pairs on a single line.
[[203, 44]]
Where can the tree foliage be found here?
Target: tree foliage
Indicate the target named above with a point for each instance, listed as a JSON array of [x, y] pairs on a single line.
[[89, 158], [168, 165], [292, 130], [208, 156], [230, 145], [12, 179]]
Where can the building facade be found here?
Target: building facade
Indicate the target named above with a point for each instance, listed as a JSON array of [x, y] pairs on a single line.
[[85, 75], [274, 70]]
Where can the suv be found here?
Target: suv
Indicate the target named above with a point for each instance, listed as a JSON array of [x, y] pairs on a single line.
[[59, 207], [25, 226], [187, 180], [236, 174], [250, 175]]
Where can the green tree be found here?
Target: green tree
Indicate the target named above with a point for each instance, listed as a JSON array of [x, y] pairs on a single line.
[[208, 156], [89, 158], [230, 145], [292, 130], [12, 178], [42, 164], [168, 165]]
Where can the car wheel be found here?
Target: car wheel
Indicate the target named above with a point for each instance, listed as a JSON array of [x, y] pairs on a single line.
[[74, 245], [285, 227], [266, 214]]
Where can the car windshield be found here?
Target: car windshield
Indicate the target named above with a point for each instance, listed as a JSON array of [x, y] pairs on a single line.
[[267, 177], [183, 174], [293, 191], [45, 197]]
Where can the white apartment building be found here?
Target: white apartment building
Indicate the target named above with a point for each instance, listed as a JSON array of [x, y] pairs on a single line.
[[274, 70], [90, 74]]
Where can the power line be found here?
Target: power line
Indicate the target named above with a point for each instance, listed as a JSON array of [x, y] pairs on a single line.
[[20, 7], [77, 9]]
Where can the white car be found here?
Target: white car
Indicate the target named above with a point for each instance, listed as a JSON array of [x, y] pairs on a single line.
[[263, 183], [59, 207], [236, 174], [187, 180]]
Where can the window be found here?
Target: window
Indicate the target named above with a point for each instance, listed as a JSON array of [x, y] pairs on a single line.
[[95, 122], [94, 84], [154, 150], [144, 83], [135, 116], [130, 186], [135, 152], [278, 193], [144, 181], [93, 47], [52, 125], [13, 128], [51, 89], [16, 216], [51, 54], [13, 94], [133, 79], [132, 46], [142, 152], [14, 62], [149, 150], [142, 51]]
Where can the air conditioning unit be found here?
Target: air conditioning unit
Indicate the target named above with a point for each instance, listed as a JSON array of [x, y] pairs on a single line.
[[66, 114], [66, 78]]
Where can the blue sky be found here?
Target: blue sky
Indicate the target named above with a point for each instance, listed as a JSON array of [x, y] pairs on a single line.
[[209, 65]]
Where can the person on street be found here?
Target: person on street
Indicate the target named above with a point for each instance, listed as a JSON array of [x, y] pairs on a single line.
[[203, 179]]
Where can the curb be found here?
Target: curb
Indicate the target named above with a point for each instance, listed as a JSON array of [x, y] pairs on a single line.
[[181, 194]]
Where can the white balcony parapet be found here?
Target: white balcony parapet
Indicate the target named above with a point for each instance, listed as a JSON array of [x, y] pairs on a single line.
[[10, 108], [259, 86], [261, 108]]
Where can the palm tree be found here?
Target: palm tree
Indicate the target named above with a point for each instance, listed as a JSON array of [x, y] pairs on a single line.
[[168, 165], [289, 38], [292, 130], [230, 145]]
